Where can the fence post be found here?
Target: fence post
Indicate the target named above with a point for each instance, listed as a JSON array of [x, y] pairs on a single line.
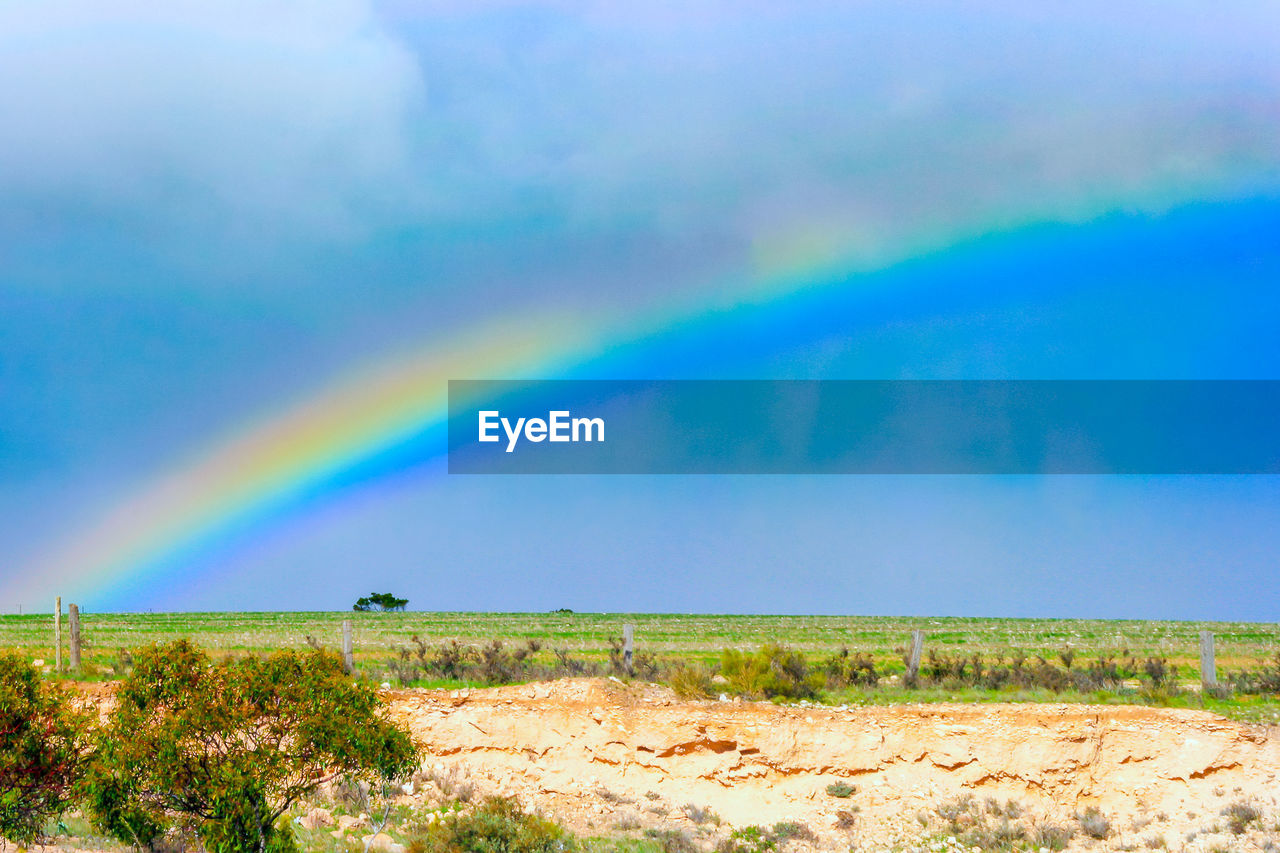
[[628, 646], [913, 660], [57, 635], [1208, 669], [73, 618], [348, 661]]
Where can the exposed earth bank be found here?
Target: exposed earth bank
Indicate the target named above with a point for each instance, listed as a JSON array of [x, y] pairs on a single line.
[[600, 754]]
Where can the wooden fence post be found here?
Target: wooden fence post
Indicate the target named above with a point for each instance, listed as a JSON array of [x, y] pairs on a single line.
[[57, 635], [1208, 669], [73, 617], [628, 647], [348, 661], [913, 660]]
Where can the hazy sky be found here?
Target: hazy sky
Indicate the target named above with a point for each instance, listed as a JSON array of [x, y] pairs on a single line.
[[214, 213]]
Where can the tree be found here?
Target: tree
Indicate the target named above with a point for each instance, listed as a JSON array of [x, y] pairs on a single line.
[[383, 601], [41, 744], [225, 749]]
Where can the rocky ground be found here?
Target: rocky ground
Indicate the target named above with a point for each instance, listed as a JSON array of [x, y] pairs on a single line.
[[612, 759], [599, 755]]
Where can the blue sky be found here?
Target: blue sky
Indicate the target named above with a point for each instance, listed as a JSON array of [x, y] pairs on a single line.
[[211, 211]]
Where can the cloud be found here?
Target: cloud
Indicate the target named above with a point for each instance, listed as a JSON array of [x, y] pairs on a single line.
[[283, 116], [865, 122], [532, 135]]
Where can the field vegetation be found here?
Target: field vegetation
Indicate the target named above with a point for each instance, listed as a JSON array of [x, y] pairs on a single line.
[[693, 638], [835, 659], [282, 749]]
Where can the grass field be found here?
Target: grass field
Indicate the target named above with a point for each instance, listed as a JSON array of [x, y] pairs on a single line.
[[688, 637]]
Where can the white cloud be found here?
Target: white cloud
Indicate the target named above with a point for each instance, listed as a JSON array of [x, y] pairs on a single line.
[[280, 115], [892, 119]]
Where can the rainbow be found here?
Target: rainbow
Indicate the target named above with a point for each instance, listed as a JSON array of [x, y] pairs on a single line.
[[317, 446], [276, 462]]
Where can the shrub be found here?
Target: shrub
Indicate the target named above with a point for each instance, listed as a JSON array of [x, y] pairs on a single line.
[[692, 682], [1002, 835], [492, 663], [788, 830], [498, 825], [450, 660], [756, 839], [566, 665], [844, 669], [648, 667], [1217, 691], [840, 789], [617, 662], [1051, 837], [954, 810], [226, 748], [773, 672], [1093, 823], [1240, 814], [1265, 680], [672, 840], [40, 750], [701, 814], [748, 839], [452, 783], [498, 665], [1160, 672], [627, 823]]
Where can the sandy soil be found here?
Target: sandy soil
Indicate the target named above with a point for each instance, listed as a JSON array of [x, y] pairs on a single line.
[[599, 753], [603, 757]]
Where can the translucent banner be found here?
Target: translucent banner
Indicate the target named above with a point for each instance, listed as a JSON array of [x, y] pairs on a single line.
[[864, 427]]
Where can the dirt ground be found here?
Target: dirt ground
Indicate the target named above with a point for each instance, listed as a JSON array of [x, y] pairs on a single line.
[[599, 754], [605, 758]]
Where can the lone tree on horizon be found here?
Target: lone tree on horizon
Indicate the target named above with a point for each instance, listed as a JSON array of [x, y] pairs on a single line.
[[381, 601]]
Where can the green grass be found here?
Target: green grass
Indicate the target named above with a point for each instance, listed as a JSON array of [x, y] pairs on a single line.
[[689, 637], [1250, 709]]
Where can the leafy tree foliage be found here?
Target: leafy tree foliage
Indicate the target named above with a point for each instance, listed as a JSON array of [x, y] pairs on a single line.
[[225, 748], [380, 601], [40, 750]]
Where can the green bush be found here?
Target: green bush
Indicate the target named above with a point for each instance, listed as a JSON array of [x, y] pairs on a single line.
[[773, 672], [498, 825], [841, 789], [844, 669], [40, 750], [749, 839], [692, 682], [224, 749]]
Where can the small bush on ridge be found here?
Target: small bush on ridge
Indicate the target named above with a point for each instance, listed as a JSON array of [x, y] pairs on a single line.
[[1093, 823], [1240, 815], [498, 825], [841, 789], [772, 672]]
